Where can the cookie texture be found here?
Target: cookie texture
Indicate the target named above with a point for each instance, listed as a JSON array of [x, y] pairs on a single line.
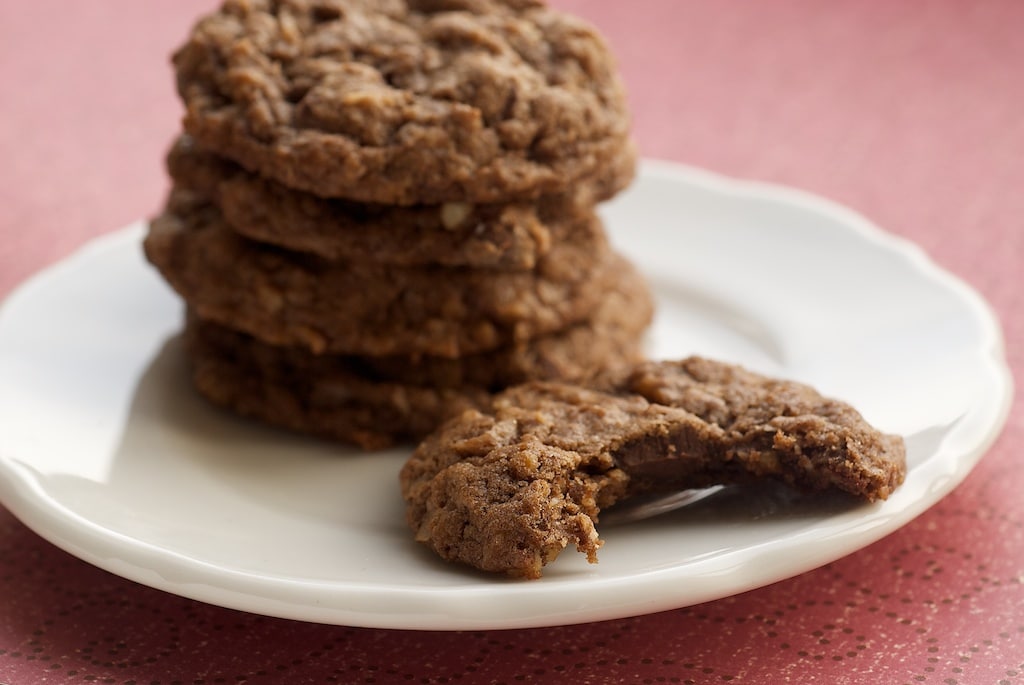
[[376, 402], [610, 338], [407, 101], [506, 488], [315, 394], [290, 298], [496, 235]]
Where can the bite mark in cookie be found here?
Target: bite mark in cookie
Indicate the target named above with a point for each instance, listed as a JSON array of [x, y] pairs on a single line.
[[506, 489]]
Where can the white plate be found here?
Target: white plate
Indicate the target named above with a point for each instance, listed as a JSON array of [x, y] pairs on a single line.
[[107, 453]]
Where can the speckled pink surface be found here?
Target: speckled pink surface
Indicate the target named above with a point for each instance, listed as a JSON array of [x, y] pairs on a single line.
[[911, 113]]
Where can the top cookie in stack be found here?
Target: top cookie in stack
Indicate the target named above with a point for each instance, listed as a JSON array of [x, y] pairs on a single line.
[[407, 102], [383, 211]]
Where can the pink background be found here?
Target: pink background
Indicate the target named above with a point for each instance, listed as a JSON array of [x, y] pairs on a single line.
[[911, 113]]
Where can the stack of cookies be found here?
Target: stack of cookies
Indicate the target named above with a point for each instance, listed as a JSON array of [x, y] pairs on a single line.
[[383, 210]]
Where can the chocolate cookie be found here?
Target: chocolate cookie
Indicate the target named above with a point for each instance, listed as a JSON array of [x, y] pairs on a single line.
[[315, 394], [609, 339], [500, 236], [506, 489], [377, 402], [407, 101], [289, 298]]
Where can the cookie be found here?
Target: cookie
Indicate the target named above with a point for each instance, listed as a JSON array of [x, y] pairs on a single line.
[[290, 298], [407, 102], [378, 402], [497, 235], [506, 489], [294, 389], [610, 338]]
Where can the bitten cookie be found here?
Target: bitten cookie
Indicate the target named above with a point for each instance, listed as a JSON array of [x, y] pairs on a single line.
[[407, 102], [497, 235], [508, 488], [289, 298], [377, 402]]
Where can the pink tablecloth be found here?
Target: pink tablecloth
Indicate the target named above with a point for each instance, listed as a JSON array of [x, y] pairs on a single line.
[[909, 112]]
